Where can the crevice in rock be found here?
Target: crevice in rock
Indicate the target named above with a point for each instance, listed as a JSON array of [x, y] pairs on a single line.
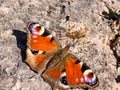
[[113, 46]]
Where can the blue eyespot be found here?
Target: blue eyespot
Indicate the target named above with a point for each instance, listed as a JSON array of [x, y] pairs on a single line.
[[91, 81], [64, 80], [31, 27]]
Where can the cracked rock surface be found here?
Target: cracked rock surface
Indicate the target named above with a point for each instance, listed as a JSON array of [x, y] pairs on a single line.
[[92, 46]]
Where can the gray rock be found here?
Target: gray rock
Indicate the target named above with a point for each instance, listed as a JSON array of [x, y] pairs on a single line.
[[93, 49]]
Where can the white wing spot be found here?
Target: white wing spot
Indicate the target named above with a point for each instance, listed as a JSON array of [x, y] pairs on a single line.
[[81, 64], [40, 52], [29, 51], [88, 71], [34, 36], [50, 36], [82, 79], [36, 25], [76, 79], [63, 74], [34, 41]]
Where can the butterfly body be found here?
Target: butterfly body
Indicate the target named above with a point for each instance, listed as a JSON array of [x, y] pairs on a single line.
[[56, 65]]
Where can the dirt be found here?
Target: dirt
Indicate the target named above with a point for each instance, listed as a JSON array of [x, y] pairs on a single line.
[[58, 16]]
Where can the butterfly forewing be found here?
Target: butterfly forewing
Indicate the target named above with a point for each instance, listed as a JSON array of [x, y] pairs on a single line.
[[40, 39], [78, 74]]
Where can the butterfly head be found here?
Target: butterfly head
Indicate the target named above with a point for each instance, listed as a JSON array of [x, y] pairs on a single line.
[[36, 29]]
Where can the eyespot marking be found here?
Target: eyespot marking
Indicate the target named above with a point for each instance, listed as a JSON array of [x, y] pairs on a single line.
[[90, 78], [63, 81]]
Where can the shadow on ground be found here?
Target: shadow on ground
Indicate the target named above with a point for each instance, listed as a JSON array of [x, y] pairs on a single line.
[[118, 79], [21, 38]]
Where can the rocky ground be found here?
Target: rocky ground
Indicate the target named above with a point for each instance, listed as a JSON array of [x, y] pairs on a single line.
[[96, 44]]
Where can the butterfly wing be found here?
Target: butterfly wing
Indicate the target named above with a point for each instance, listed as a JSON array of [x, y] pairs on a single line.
[[69, 73], [40, 39], [41, 46], [78, 74]]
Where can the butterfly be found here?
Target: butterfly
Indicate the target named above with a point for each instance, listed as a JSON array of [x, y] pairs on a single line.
[[59, 68]]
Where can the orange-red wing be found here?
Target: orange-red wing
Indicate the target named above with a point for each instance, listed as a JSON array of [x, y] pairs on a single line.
[[37, 62], [38, 42], [73, 72], [54, 73], [52, 76], [41, 46], [39, 39]]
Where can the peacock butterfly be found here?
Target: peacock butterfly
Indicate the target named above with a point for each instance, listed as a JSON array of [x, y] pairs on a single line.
[[59, 68]]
